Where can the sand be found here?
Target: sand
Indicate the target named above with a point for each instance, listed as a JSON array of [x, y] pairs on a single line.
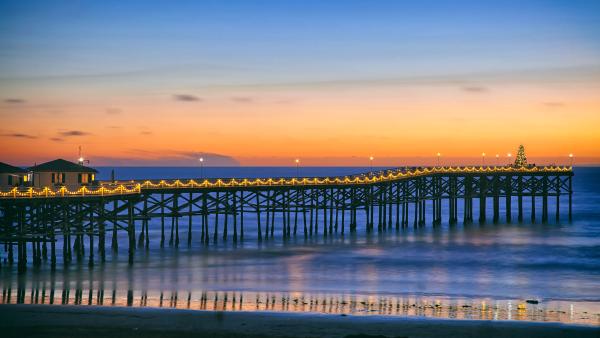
[[76, 321]]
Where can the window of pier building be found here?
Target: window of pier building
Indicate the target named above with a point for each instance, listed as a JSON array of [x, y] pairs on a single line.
[[58, 178], [85, 178]]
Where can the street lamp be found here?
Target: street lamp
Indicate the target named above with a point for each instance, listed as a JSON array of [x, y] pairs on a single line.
[[438, 159], [297, 167], [371, 158], [571, 158], [509, 158], [497, 159], [201, 159], [483, 159]]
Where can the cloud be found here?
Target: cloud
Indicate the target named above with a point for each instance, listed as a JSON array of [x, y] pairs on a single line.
[[242, 99], [145, 132], [113, 111], [56, 139], [186, 98], [113, 127], [14, 101], [70, 133], [210, 159], [578, 74], [143, 157], [474, 89], [554, 104], [19, 135]]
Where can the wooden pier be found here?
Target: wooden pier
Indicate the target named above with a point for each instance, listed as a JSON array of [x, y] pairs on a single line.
[[212, 210]]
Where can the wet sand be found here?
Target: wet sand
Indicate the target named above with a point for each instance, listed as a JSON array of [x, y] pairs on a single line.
[[74, 321]]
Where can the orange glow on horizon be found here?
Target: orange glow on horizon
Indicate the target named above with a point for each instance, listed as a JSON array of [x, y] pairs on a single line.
[[343, 128]]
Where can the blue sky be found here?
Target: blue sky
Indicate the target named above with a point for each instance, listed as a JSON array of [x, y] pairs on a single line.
[[166, 70], [280, 41]]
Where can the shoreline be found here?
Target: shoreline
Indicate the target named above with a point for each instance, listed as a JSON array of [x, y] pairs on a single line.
[[356, 304], [94, 321]]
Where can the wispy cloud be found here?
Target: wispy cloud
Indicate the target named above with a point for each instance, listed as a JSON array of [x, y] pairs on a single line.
[[113, 111], [56, 139], [70, 133], [242, 99], [579, 74], [143, 157], [475, 89], [186, 98], [19, 135], [145, 132], [14, 101]]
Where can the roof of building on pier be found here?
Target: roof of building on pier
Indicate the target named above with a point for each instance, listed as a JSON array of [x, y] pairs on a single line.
[[61, 165], [6, 168]]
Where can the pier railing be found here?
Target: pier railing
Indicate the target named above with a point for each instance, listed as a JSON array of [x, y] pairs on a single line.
[[109, 188], [47, 192]]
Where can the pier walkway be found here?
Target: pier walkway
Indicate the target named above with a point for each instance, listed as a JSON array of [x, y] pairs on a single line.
[[228, 209]]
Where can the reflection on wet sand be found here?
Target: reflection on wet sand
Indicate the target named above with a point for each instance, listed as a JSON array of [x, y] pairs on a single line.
[[340, 304]]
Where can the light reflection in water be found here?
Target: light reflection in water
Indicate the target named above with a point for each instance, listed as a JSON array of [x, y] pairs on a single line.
[[350, 304]]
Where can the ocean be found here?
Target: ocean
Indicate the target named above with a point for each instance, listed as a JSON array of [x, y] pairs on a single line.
[[502, 271]]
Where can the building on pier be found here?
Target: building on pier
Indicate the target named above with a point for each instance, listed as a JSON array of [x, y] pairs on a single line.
[[11, 176], [62, 173]]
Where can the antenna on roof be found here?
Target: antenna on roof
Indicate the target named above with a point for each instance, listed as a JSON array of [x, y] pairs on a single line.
[[81, 159]]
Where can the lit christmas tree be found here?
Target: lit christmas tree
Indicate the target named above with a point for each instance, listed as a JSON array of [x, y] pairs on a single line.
[[521, 159]]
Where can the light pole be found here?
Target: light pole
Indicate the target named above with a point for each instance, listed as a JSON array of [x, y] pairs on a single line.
[[438, 159], [497, 160], [482, 159], [297, 167], [571, 159], [371, 158], [201, 159], [509, 158]]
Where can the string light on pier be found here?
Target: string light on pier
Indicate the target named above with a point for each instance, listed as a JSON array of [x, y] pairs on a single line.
[[136, 186]]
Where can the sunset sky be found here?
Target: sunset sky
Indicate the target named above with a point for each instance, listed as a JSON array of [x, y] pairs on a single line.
[[329, 82]]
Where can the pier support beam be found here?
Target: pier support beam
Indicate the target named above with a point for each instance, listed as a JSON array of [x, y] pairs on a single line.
[[482, 198], [81, 220]]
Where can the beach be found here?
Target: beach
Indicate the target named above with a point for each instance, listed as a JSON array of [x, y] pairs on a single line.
[[72, 321]]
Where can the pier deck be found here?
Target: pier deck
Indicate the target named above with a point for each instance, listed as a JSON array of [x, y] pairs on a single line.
[[226, 209]]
